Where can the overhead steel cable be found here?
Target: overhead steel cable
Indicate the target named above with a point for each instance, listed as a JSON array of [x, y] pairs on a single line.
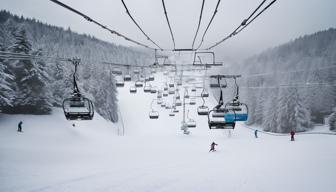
[[22, 56], [199, 23], [165, 12], [206, 30], [245, 23], [256, 16], [99, 24], [148, 38]]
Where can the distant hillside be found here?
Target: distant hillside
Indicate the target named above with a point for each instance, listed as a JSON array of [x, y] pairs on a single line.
[[95, 78], [292, 86]]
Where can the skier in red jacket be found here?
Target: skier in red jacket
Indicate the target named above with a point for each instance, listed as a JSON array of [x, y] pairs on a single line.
[[292, 133]]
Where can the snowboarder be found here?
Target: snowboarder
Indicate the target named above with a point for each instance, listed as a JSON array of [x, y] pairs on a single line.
[[212, 147], [20, 126], [292, 133], [256, 133]]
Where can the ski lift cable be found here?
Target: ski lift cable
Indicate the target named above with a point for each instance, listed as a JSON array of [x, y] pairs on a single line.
[[24, 56], [297, 71], [303, 85], [244, 24], [165, 12], [199, 23], [208, 26], [148, 38], [99, 24], [255, 17]]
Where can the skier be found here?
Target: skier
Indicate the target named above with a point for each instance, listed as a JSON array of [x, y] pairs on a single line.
[[292, 133], [256, 133], [212, 148], [20, 126]]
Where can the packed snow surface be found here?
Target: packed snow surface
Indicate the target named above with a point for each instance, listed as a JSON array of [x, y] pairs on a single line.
[[52, 155]]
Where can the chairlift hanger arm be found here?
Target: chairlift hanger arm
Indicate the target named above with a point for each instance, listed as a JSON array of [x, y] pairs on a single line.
[[225, 76], [170, 29]]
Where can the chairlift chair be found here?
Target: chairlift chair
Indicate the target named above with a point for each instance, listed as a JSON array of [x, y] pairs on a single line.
[[190, 122], [138, 84], [192, 101], [186, 94], [78, 108], [204, 93], [165, 93], [163, 104], [147, 87], [218, 82], [116, 71], [216, 120], [133, 89], [151, 78], [171, 91], [127, 77], [153, 90], [171, 114], [136, 71], [147, 79], [236, 111], [154, 114], [177, 95], [202, 110], [159, 94], [120, 83], [178, 102]]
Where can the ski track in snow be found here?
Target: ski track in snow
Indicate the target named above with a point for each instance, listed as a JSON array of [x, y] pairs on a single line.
[[154, 155]]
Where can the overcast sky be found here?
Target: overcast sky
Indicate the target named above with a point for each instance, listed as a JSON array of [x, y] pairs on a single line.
[[284, 21]]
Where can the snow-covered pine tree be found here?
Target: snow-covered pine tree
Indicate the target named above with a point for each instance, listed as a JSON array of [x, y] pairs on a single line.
[[30, 80], [259, 111], [61, 84], [105, 99], [271, 112], [6, 92], [332, 121], [302, 112], [43, 96], [286, 118], [251, 99]]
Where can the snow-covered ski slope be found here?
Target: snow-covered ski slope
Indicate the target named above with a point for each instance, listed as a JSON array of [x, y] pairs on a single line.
[[154, 155]]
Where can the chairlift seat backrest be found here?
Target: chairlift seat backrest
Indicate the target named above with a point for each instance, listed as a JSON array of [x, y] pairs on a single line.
[[231, 117]]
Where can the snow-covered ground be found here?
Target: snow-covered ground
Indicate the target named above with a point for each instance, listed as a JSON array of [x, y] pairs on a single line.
[[154, 155]]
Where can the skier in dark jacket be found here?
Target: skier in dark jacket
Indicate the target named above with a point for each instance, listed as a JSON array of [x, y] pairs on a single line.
[[256, 133], [292, 133], [20, 126], [212, 147]]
